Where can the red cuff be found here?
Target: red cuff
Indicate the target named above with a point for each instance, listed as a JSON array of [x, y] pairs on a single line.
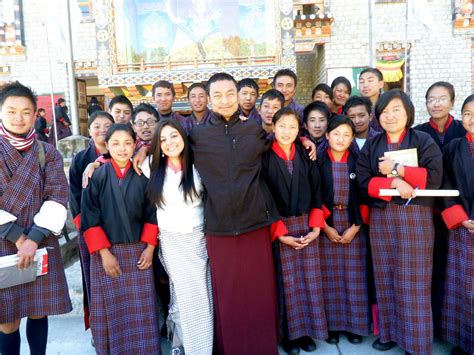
[[150, 234], [96, 239], [454, 216], [303, 139], [326, 213], [416, 177], [46, 130], [377, 183], [316, 218], [77, 221], [62, 120], [365, 213], [278, 229]]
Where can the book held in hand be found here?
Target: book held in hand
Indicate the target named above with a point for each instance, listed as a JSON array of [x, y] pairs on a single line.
[[10, 275], [405, 157]]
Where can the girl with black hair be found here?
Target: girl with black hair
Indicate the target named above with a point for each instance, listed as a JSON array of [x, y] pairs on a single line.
[[401, 228], [343, 245], [175, 187], [341, 89], [119, 226], [457, 311], [98, 124], [293, 180]]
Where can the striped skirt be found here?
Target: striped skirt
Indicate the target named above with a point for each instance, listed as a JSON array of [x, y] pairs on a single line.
[[301, 302], [344, 274], [402, 250], [184, 257], [457, 313], [47, 295], [123, 314]]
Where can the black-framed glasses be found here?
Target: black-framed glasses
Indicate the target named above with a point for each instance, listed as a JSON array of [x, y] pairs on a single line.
[[149, 122]]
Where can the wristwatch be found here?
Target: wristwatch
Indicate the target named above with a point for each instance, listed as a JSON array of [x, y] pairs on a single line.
[[394, 170]]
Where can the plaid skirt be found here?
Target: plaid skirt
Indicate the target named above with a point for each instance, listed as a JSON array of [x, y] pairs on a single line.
[[47, 295], [402, 250], [123, 314], [344, 274], [85, 259], [457, 320], [301, 302]]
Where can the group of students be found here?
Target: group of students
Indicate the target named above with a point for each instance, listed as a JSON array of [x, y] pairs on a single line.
[[269, 223]]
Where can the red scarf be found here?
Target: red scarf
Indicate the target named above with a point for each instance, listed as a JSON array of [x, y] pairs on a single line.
[[18, 142]]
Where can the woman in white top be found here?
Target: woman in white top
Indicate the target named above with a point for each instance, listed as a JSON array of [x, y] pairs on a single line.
[[175, 187]]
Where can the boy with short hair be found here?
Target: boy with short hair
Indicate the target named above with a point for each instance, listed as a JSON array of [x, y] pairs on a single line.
[[33, 201], [359, 110], [121, 109], [164, 94], [248, 94], [285, 81], [271, 102], [370, 85]]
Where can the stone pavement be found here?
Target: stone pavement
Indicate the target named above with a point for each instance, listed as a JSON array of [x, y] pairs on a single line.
[[67, 335]]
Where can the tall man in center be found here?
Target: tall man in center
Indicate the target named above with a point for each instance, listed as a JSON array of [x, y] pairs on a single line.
[[241, 219]]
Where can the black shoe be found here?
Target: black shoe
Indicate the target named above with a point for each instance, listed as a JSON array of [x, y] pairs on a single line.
[[306, 343], [458, 351], [290, 346], [378, 345], [333, 338], [354, 338]]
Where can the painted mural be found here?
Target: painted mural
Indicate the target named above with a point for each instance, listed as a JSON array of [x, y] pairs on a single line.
[[154, 31]]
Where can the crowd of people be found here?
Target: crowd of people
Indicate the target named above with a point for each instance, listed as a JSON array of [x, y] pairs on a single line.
[[249, 225]]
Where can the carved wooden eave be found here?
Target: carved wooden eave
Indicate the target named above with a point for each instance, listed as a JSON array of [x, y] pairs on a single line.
[[85, 68], [312, 30]]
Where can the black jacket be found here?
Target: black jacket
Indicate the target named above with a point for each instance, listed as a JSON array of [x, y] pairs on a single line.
[[228, 156], [78, 165], [121, 208], [455, 130], [459, 175], [294, 194], [327, 188], [429, 157]]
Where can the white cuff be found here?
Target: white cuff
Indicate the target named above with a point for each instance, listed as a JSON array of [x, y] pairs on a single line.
[[6, 217], [52, 216]]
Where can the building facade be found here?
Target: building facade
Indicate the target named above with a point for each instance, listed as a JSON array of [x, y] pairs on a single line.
[[124, 46]]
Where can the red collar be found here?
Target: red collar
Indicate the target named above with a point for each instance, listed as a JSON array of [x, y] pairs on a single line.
[[344, 158], [446, 126], [118, 170], [469, 137], [400, 140], [281, 154]]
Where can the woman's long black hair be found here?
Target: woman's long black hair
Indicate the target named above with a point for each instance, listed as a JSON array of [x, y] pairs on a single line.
[[159, 162]]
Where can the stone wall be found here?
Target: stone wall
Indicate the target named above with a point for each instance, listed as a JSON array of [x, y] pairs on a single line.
[[33, 68], [436, 53]]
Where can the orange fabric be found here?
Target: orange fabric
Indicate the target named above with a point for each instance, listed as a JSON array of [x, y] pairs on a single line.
[[150, 234], [377, 183], [96, 239], [278, 229], [454, 216], [316, 218]]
